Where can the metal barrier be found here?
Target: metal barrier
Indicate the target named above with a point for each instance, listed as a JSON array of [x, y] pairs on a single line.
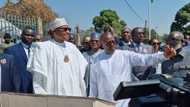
[[15, 24]]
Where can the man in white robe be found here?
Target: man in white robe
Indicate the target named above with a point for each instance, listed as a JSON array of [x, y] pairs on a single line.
[[57, 66], [114, 66], [91, 55]]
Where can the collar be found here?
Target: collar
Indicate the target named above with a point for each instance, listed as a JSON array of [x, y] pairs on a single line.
[[138, 45], [24, 45], [122, 40], [128, 43], [92, 52], [63, 44]]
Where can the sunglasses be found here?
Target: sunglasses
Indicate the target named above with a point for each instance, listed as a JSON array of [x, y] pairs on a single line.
[[37, 39], [110, 42], [175, 39], [156, 43], [94, 41], [63, 29], [141, 33], [126, 32], [29, 35]]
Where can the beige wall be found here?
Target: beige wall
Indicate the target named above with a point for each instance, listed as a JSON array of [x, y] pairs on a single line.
[[18, 100]]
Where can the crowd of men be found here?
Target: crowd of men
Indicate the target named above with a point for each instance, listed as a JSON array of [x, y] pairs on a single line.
[[58, 67]]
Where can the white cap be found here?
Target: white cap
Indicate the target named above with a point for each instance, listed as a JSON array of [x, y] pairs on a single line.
[[58, 22]]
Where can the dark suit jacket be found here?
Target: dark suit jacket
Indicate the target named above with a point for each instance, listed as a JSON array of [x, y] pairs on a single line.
[[21, 62], [168, 65], [10, 80]]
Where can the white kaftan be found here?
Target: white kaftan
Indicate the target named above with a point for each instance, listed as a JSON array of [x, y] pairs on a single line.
[[110, 70], [58, 69]]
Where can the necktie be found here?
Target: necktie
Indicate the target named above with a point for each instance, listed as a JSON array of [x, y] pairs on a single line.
[[28, 51]]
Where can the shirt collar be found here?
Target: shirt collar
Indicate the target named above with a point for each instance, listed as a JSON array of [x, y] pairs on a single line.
[[24, 45], [138, 45], [126, 43]]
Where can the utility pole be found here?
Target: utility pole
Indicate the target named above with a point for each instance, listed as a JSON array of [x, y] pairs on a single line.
[[8, 1], [146, 32], [149, 19], [156, 32], [78, 42]]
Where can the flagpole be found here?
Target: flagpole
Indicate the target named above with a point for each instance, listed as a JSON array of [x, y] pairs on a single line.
[[149, 19]]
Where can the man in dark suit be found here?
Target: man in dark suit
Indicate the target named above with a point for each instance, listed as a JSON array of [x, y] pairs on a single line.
[[21, 53], [9, 77]]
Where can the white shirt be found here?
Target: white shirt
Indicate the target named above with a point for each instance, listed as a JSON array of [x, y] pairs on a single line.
[[58, 69], [142, 48], [26, 48], [112, 69]]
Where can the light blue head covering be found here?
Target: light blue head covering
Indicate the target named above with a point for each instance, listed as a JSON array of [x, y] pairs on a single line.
[[94, 36]]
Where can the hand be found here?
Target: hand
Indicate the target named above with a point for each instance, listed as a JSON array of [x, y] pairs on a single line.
[[169, 51]]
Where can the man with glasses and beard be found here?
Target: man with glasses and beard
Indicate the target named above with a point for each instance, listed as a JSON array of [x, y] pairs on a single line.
[[114, 66], [182, 59], [58, 67]]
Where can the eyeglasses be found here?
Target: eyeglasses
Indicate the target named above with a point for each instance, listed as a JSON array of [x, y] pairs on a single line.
[[37, 40], [63, 29], [29, 35], [110, 42], [175, 39], [94, 41], [141, 33], [156, 43], [126, 32]]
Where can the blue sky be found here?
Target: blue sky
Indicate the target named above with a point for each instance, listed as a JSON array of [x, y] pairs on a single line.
[[81, 12]]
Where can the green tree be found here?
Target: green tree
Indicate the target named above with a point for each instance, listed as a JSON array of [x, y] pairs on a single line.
[[182, 18], [154, 34], [87, 32], [108, 18]]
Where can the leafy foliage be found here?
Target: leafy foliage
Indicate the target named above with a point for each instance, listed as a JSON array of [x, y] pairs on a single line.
[[29, 8], [182, 18], [108, 18]]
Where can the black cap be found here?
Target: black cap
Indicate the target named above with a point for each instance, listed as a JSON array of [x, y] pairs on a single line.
[[7, 35]]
